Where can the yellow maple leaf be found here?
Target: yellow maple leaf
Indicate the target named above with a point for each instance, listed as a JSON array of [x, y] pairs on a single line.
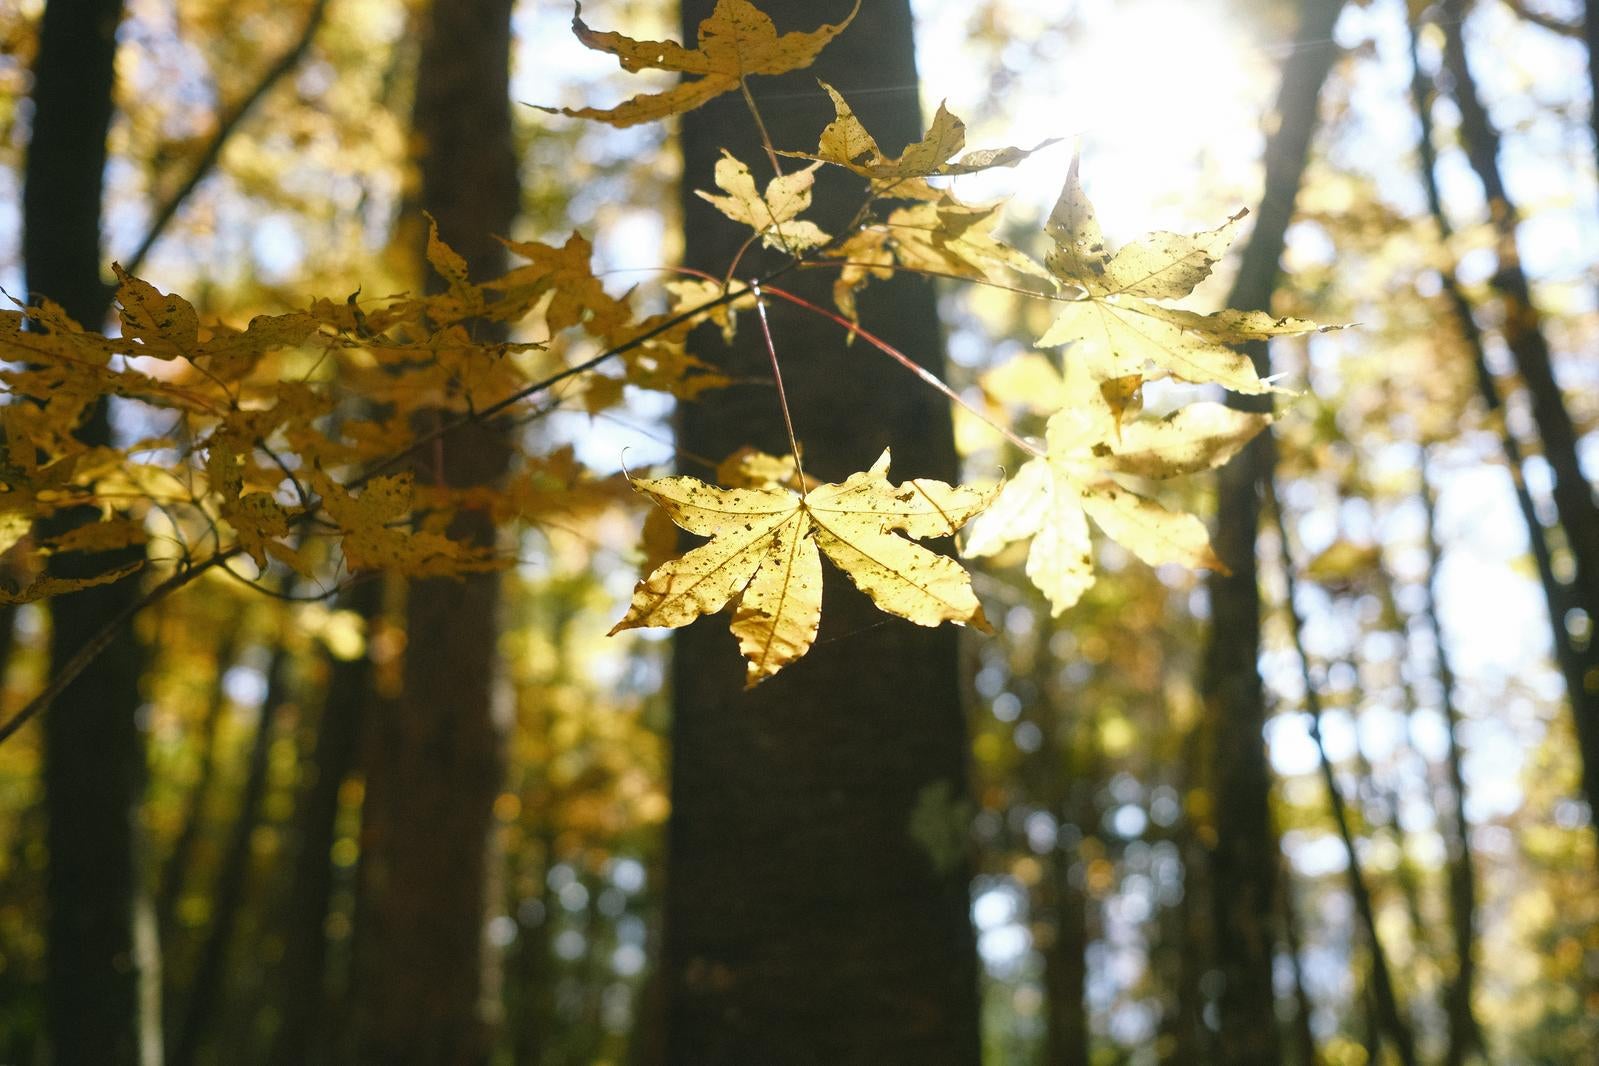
[[256, 517], [736, 41], [766, 548], [772, 214], [938, 234], [106, 535], [160, 325], [1052, 497], [43, 588], [374, 537], [1113, 320], [845, 142], [230, 354]]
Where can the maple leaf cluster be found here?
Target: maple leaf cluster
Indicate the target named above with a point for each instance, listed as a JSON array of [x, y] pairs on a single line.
[[309, 428]]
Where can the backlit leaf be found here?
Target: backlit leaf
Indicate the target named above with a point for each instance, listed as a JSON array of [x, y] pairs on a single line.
[[846, 143], [1113, 318], [736, 41], [772, 214], [1088, 441], [763, 556]]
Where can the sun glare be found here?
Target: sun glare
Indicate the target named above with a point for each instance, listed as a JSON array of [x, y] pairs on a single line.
[[1159, 94]]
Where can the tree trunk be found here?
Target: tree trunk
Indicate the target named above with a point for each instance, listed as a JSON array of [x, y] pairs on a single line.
[[1385, 997], [437, 760], [302, 977], [1559, 598], [1465, 1036], [1524, 336], [804, 922], [1303, 1036], [101, 992], [1066, 1034], [178, 868], [207, 988], [1590, 36], [1243, 877]]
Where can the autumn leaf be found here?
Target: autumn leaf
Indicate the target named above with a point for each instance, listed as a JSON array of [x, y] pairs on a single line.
[[1114, 321], [466, 298], [765, 557], [771, 214], [256, 517], [230, 354], [738, 40], [690, 294], [1052, 496], [43, 588], [107, 535], [14, 525], [937, 234], [751, 468], [846, 143], [374, 537], [161, 325]]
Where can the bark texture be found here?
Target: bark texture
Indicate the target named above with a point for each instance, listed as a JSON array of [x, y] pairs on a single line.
[[436, 761], [1243, 858], [100, 993], [805, 923]]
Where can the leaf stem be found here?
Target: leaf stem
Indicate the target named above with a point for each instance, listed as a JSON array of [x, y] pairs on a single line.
[[777, 374], [905, 361], [760, 126]]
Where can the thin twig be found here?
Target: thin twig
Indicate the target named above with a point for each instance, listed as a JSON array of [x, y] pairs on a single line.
[[914, 367], [225, 130], [777, 375], [100, 641], [760, 126]]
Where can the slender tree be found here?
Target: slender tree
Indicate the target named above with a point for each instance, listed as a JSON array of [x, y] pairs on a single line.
[[302, 1035], [1590, 37], [806, 920], [178, 868], [435, 763], [1465, 1035], [1390, 1016], [1244, 879], [199, 1016], [101, 992], [1524, 336]]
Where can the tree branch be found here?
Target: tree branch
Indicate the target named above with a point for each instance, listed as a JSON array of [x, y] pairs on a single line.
[[225, 130]]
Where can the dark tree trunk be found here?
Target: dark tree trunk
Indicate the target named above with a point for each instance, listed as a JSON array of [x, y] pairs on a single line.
[[1590, 36], [178, 868], [207, 988], [1465, 1036], [1524, 336], [1303, 1036], [302, 977], [1385, 996], [437, 761], [1242, 868], [804, 922], [100, 990], [1559, 598], [1066, 1034]]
